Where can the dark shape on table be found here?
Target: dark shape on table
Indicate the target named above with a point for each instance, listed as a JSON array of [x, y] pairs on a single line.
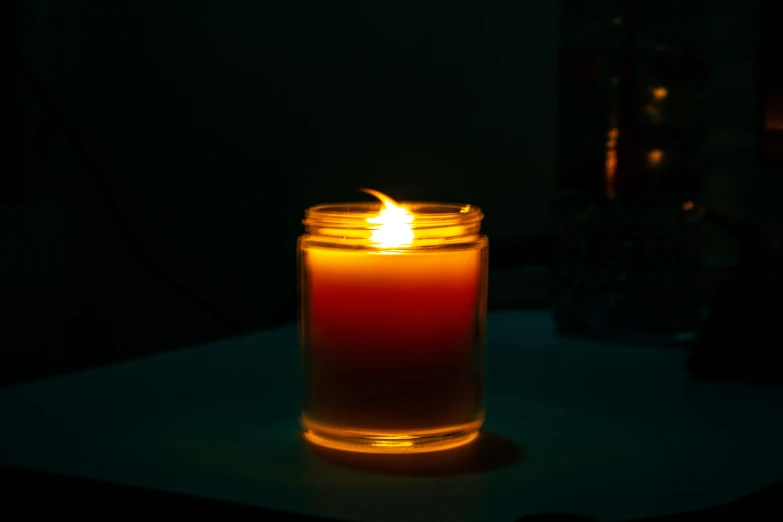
[[741, 338], [489, 452]]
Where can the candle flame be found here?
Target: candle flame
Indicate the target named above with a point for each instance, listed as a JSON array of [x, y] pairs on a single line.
[[393, 223]]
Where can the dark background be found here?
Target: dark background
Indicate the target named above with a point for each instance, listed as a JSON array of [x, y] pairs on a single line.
[[169, 149]]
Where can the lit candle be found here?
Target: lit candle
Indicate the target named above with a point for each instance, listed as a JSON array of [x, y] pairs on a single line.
[[393, 308]]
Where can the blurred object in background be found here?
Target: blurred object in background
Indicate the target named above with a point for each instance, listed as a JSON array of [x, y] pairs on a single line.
[[627, 258], [628, 271], [771, 146]]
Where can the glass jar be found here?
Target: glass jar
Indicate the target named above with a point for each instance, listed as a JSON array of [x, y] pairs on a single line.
[[392, 325]]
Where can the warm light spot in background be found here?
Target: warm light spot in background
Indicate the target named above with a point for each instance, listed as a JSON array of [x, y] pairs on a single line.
[[654, 158], [610, 167], [393, 223], [688, 205], [653, 109], [659, 93], [617, 21]]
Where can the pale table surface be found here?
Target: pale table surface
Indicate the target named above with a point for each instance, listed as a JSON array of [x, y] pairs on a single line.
[[608, 431]]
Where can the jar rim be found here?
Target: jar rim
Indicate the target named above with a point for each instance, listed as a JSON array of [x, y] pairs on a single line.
[[425, 213]]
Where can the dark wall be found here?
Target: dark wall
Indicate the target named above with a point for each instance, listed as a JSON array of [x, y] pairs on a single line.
[[208, 127]]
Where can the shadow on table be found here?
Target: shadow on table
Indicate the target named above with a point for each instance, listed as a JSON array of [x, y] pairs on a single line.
[[762, 505], [41, 493], [489, 452]]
